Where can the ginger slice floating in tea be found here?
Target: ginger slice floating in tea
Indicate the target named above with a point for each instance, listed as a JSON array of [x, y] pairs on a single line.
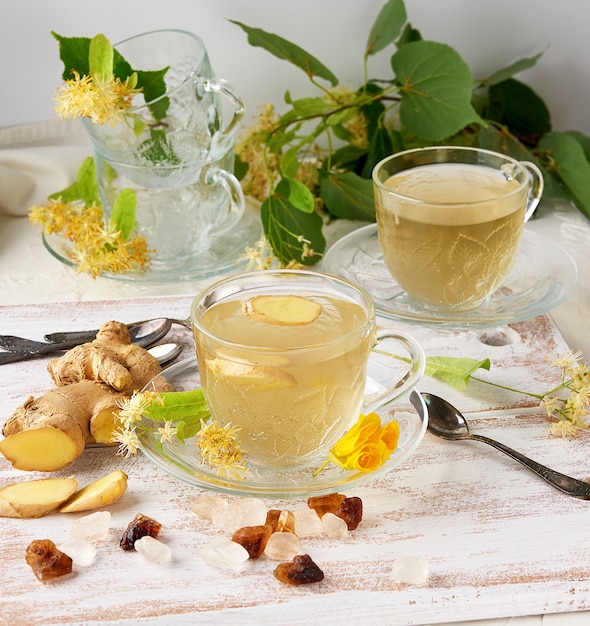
[[255, 376], [282, 310]]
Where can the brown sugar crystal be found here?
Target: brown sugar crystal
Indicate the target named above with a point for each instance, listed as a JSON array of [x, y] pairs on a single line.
[[46, 561], [281, 520], [141, 526], [253, 538], [326, 504], [351, 511], [300, 571]]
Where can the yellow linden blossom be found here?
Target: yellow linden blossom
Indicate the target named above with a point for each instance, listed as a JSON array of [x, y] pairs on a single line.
[[366, 446], [220, 449], [252, 148], [103, 100], [96, 246], [572, 411]]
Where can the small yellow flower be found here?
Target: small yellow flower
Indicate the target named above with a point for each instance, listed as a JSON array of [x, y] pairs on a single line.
[[103, 100], [128, 441], [366, 446], [220, 449], [96, 247]]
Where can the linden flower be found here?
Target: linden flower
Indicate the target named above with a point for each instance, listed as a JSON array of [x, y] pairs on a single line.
[[220, 448], [96, 247], [366, 446], [128, 441], [100, 99]]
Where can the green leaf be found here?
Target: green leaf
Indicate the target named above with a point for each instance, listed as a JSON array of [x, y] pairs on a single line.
[[123, 214], [100, 57], [582, 139], [517, 106], [285, 227], [349, 196], [153, 85], [570, 166], [509, 71], [453, 370], [387, 26], [185, 408], [73, 51], [86, 183], [380, 147], [158, 149], [69, 194], [311, 107], [408, 35], [299, 195], [436, 86], [284, 49]]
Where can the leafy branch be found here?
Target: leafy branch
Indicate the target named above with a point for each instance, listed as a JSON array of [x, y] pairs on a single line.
[[330, 142]]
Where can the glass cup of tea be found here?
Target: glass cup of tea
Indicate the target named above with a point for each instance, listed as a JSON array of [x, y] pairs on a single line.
[[283, 355], [450, 221]]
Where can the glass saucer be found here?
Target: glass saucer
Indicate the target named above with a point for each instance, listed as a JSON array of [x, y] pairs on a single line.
[[184, 462], [221, 258], [544, 275]]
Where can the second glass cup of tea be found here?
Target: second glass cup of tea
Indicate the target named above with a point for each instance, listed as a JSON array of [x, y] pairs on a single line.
[[283, 356], [450, 220]]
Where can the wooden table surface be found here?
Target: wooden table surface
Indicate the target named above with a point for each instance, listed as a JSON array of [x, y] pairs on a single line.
[[499, 541]]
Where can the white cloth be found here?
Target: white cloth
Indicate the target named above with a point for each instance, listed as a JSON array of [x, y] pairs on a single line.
[[37, 160]]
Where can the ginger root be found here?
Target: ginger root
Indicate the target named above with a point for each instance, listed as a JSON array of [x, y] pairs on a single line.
[[48, 433], [35, 498], [111, 358]]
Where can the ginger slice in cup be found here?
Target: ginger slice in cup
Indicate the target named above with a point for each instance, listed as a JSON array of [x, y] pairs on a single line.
[[254, 376], [282, 310]]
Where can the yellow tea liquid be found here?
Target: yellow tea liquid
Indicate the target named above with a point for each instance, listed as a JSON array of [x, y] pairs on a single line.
[[292, 389], [452, 238]]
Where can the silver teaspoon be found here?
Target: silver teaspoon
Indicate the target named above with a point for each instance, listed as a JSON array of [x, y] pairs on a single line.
[[445, 421], [19, 348], [136, 329]]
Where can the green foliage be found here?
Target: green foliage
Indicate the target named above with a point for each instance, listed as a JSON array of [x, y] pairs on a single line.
[[430, 98], [185, 409], [454, 371]]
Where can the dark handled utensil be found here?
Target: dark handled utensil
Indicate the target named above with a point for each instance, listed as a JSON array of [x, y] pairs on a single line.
[[19, 348], [145, 327], [445, 421]]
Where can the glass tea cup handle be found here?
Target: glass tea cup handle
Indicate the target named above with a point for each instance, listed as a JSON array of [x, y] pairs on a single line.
[[237, 204], [411, 377], [535, 188], [222, 141]]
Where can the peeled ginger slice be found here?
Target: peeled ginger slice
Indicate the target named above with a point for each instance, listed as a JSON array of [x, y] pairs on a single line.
[[253, 376], [35, 498], [282, 310], [101, 492]]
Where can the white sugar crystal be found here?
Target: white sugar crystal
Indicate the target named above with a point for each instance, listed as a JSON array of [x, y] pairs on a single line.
[[93, 527], [81, 552], [239, 513], [224, 554], [334, 526], [153, 550], [307, 522], [206, 505], [412, 570], [282, 546]]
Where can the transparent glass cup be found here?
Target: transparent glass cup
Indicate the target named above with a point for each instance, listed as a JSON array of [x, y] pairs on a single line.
[[174, 150], [450, 221], [294, 389]]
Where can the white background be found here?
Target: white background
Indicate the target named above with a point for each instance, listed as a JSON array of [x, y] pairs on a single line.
[[489, 34]]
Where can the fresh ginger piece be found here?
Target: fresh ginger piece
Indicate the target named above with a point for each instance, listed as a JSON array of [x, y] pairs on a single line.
[[48, 433], [111, 358], [101, 492], [254, 376], [41, 450], [36, 498], [104, 423], [282, 310]]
